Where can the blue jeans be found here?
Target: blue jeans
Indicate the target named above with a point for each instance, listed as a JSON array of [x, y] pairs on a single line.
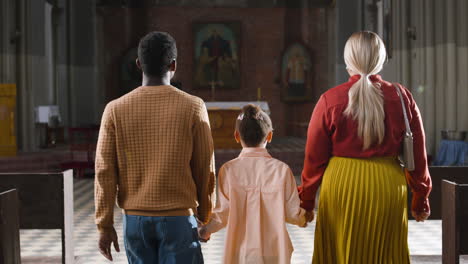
[[161, 240]]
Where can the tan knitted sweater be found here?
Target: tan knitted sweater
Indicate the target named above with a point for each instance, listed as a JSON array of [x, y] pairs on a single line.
[[155, 155]]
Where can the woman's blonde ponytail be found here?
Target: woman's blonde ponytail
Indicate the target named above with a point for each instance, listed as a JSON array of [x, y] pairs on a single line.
[[365, 55]]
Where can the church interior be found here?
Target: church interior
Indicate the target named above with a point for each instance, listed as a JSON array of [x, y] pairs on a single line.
[[62, 61]]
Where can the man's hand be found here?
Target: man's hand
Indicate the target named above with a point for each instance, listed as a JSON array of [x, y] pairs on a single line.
[[105, 240], [309, 216], [203, 234]]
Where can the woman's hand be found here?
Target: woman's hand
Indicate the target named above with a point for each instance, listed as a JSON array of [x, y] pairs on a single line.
[[309, 216], [420, 208], [420, 216]]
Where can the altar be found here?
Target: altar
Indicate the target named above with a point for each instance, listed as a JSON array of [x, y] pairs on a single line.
[[223, 117]]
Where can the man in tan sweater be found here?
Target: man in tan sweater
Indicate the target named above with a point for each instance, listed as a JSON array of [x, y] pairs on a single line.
[[155, 157]]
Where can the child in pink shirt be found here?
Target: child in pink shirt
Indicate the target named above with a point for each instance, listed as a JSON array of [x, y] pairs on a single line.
[[257, 195]]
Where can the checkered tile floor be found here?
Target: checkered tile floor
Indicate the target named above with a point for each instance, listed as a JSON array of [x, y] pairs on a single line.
[[424, 238]]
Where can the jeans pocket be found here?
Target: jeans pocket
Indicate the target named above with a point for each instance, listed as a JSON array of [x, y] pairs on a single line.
[[181, 231], [194, 226], [180, 240], [131, 228]]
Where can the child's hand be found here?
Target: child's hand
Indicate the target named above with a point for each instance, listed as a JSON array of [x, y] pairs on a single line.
[[304, 225], [304, 220], [203, 234]]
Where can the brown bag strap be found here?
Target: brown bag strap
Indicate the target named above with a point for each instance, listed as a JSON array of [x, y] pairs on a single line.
[[408, 129]]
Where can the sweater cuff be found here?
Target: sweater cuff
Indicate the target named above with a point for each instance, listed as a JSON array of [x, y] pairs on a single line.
[[308, 205], [105, 229], [204, 217], [420, 204]]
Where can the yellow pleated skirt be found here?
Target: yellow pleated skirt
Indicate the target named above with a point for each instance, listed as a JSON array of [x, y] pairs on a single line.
[[362, 213]]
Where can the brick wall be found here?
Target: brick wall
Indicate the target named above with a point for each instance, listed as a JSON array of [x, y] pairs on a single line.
[[263, 38]]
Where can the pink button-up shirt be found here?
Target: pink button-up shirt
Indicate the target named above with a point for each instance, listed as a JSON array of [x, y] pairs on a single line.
[[257, 196]]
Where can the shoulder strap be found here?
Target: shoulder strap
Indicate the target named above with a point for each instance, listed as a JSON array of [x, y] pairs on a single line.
[[408, 129]]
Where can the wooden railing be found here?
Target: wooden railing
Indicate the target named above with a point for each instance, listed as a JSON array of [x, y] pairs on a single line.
[[454, 220], [46, 202], [9, 228], [438, 174]]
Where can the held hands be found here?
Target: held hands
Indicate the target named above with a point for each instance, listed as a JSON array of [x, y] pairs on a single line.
[[105, 240], [309, 216], [309, 213], [203, 234]]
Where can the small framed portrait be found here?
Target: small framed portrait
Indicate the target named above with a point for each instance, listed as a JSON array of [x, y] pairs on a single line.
[[217, 55], [296, 73], [130, 75]]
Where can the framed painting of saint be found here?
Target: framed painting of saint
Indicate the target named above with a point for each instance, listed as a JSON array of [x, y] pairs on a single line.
[[296, 73], [217, 55]]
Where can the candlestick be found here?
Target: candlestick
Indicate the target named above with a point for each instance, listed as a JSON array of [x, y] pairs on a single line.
[[259, 93], [212, 90]]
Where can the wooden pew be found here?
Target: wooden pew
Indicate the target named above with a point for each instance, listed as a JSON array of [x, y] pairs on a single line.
[[46, 202], [82, 141], [9, 228], [439, 173], [454, 220]]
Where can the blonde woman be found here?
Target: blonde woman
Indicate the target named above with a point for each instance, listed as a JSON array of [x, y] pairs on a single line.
[[354, 137]]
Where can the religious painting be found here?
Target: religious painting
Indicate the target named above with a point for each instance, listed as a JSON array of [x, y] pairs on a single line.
[[217, 55], [296, 73]]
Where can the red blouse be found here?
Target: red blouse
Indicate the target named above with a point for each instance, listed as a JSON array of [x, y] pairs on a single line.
[[331, 133]]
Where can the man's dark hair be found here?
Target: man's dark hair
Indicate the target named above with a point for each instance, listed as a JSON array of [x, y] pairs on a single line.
[[253, 125], [156, 52]]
